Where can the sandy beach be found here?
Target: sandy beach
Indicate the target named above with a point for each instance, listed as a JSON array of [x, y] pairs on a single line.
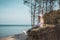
[[15, 37], [8, 38]]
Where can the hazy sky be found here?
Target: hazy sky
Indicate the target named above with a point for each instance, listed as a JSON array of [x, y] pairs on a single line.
[[14, 12]]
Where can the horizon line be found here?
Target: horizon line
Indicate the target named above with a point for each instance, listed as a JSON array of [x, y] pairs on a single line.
[[15, 25]]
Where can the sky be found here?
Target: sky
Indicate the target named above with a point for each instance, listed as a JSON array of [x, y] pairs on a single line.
[[14, 12]]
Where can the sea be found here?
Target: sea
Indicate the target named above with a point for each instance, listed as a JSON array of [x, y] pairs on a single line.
[[7, 30]]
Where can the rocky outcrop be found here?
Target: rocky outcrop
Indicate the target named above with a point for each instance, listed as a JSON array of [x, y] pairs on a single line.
[[46, 33]]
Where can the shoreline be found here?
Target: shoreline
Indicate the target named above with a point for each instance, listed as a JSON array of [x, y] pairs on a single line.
[[21, 36]]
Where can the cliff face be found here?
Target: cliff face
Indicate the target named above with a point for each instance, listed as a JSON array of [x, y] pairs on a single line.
[[51, 31], [52, 17], [47, 33]]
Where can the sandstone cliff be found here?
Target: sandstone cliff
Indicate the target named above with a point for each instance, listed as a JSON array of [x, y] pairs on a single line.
[[50, 31], [46, 33], [52, 17]]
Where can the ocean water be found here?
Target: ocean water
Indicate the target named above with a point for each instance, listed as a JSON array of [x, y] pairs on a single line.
[[12, 30]]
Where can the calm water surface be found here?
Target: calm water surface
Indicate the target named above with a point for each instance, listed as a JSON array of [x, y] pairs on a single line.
[[11, 30]]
